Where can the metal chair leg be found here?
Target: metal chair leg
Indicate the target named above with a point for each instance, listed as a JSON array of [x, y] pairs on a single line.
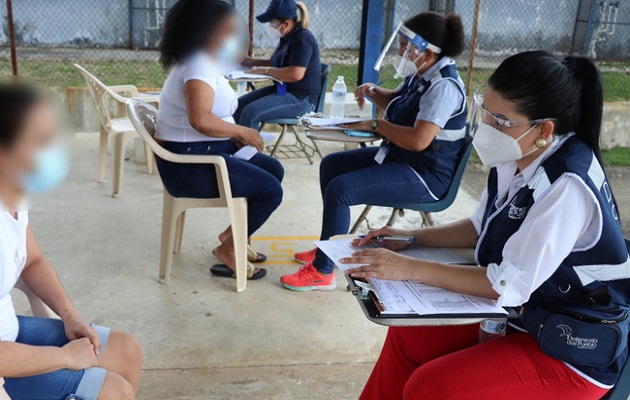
[[396, 212], [427, 219], [360, 220], [303, 146], [275, 147]]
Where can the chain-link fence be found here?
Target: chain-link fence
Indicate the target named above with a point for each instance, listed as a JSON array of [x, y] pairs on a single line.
[[116, 39]]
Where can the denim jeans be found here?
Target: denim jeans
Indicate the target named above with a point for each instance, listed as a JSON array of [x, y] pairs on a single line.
[[258, 179], [264, 104], [351, 178], [61, 384]]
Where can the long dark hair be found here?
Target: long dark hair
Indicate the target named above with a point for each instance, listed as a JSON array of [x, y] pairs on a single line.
[[568, 90], [187, 27], [445, 32], [16, 100]]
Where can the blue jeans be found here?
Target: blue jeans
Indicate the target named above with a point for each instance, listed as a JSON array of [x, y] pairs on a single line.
[[61, 384], [350, 178], [264, 104], [259, 179]]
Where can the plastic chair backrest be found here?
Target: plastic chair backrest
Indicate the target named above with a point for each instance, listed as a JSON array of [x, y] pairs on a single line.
[[144, 116], [322, 96], [97, 90], [621, 391], [448, 199]]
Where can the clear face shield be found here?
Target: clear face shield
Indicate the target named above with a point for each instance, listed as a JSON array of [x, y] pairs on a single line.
[[401, 53], [501, 123]]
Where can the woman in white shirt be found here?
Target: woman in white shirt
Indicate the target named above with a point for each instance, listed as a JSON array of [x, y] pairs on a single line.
[[47, 359], [200, 42], [548, 237]]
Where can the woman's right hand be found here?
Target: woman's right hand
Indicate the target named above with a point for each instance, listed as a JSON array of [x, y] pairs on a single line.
[[248, 62], [385, 231], [251, 137], [80, 354], [364, 90]]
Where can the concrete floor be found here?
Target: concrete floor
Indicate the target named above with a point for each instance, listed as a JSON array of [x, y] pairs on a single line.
[[202, 340]]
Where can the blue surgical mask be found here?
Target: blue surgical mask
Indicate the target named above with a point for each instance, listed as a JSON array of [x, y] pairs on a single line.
[[52, 165], [229, 51]]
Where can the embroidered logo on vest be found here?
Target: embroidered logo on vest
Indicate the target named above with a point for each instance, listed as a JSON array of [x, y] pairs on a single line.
[[516, 212], [580, 343]]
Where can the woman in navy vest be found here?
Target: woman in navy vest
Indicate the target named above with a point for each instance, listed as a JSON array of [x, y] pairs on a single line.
[[295, 62], [548, 237], [424, 137]]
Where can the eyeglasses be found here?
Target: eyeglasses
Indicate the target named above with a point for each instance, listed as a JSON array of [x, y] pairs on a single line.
[[480, 114]]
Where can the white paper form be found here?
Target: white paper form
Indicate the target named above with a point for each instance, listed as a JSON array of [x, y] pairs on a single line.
[[244, 76], [342, 248], [330, 123], [390, 297], [429, 300]]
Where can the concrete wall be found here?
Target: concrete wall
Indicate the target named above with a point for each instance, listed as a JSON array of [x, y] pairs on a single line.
[[616, 127]]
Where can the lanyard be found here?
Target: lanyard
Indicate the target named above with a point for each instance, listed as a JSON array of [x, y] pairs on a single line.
[[397, 100]]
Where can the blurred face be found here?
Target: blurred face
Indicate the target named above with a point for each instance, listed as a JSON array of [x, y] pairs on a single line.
[[227, 28], [39, 131]]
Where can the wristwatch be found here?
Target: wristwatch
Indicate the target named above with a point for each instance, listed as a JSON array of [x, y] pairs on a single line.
[[374, 125]]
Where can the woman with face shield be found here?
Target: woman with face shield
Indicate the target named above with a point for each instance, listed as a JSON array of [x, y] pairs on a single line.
[[294, 62], [424, 132], [547, 239], [202, 40], [47, 358]]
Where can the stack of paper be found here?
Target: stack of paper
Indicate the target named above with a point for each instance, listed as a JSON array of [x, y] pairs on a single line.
[[315, 123], [239, 75], [410, 297]]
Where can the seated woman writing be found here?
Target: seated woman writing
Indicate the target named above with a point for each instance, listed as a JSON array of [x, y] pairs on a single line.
[[548, 240], [200, 41], [48, 359], [295, 62], [424, 136]]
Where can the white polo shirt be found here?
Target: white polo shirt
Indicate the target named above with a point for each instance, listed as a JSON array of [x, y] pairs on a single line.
[[12, 262], [173, 124]]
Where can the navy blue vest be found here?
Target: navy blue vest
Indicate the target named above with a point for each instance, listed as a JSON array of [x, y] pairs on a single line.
[[437, 163], [582, 272]]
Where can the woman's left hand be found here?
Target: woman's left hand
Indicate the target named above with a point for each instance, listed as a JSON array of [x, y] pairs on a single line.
[[358, 126], [381, 263], [76, 328]]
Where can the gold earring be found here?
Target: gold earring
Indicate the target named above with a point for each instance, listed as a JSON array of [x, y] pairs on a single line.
[[541, 143]]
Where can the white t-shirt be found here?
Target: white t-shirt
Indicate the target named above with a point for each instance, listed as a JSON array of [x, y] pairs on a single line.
[[173, 124], [12, 262]]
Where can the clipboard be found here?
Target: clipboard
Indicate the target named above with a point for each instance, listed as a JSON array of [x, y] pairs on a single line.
[[373, 314]]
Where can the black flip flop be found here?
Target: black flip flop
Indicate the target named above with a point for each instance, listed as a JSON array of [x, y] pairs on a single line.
[[225, 271], [260, 258]]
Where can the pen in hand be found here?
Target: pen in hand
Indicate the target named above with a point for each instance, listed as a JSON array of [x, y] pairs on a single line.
[[382, 238]]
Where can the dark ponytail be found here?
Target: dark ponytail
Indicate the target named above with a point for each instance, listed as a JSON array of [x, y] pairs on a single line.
[[544, 86], [446, 32]]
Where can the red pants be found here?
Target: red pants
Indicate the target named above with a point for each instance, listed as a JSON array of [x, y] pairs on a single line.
[[447, 363]]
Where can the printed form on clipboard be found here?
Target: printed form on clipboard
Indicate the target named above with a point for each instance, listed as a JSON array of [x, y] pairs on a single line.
[[410, 297], [328, 124]]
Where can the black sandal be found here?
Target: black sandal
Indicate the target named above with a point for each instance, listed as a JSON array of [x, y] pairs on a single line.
[[224, 271], [255, 257]]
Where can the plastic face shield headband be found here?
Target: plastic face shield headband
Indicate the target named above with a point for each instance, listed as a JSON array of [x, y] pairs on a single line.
[[416, 44], [499, 122]]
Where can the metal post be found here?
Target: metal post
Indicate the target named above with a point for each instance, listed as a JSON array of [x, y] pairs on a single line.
[[372, 23], [11, 27], [130, 18], [590, 27], [473, 47], [250, 51]]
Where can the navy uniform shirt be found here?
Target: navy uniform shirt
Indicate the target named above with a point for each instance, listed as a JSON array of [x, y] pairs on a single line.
[[300, 49]]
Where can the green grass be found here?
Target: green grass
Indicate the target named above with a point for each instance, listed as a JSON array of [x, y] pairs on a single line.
[[149, 74], [619, 156]]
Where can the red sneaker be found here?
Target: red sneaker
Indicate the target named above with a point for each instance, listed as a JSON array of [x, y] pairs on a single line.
[[305, 257], [308, 278]]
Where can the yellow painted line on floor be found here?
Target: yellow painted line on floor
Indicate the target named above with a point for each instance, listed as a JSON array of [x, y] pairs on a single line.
[[273, 238]]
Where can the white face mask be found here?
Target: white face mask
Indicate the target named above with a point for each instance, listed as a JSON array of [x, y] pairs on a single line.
[[495, 147], [405, 67], [273, 33]]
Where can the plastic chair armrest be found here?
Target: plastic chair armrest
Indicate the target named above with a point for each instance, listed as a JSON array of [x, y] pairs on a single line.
[[131, 89]]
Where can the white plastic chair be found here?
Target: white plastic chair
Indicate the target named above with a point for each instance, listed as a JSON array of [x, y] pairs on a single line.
[[144, 116], [39, 309], [120, 128]]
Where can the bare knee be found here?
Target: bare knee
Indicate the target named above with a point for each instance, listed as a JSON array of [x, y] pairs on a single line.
[[128, 348], [116, 387]]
